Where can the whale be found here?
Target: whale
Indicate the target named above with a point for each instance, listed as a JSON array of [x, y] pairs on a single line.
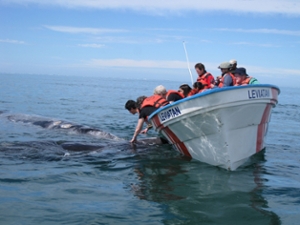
[[51, 123]]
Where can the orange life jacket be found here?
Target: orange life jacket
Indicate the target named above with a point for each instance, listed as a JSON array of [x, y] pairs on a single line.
[[204, 79], [222, 80], [155, 100], [193, 92], [174, 92], [246, 81], [196, 91], [205, 86]]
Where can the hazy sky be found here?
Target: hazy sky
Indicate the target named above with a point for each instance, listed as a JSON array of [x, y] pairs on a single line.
[[144, 39]]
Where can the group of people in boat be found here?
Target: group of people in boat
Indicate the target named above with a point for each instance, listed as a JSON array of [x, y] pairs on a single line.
[[231, 75]]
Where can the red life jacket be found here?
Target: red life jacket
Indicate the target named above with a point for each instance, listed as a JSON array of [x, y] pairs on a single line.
[[205, 86], [174, 92], [155, 100], [222, 80], [206, 78]]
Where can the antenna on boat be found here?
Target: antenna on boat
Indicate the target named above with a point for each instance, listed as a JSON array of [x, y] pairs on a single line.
[[188, 63]]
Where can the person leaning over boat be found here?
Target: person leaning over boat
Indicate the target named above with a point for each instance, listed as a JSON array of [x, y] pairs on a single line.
[[204, 76], [139, 102], [131, 106], [134, 107], [242, 78], [170, 96], [185, 89], [148, 106], [227, 78]]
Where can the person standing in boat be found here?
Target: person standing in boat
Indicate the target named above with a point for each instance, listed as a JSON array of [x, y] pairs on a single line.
[[227, 78], [147, 107], [242, 78], [204, 76], [233, 63]]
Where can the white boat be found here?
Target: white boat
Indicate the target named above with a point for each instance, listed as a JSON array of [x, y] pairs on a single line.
[[222, 127]]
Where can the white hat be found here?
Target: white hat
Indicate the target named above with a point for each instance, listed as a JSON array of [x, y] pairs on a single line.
[[233, 61]]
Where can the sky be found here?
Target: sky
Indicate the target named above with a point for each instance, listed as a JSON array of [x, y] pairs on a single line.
[[151, 39]]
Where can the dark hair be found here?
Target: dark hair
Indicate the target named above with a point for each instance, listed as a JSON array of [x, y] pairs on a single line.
[[198, 85], [139, 101], [200, 66], [186, 89], [130, 104]]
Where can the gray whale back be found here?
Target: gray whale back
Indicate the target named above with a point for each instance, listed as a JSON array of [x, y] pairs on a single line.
[[49, 123]]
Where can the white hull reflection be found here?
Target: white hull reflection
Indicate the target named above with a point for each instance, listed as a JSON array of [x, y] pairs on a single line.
[[222, 127]]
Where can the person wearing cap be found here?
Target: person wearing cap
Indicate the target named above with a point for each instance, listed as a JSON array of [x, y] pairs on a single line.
[[227, 78], [233, 63], [204, 76], [145, 107], [242, 78]]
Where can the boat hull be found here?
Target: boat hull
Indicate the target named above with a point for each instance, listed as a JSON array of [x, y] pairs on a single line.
[[222, 127]]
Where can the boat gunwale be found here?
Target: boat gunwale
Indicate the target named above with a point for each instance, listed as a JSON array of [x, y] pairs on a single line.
[[211, 91], [206, 110]]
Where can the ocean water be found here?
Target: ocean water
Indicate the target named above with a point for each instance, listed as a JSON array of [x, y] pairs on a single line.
[[65, 159]]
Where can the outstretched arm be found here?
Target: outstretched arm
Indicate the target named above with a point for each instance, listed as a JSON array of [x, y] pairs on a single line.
[[138, 129]]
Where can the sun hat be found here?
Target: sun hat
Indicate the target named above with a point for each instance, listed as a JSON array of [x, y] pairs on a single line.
[[240, 71], [224, 65]]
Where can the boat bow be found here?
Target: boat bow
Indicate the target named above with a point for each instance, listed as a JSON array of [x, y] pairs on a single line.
[[222, 127]]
